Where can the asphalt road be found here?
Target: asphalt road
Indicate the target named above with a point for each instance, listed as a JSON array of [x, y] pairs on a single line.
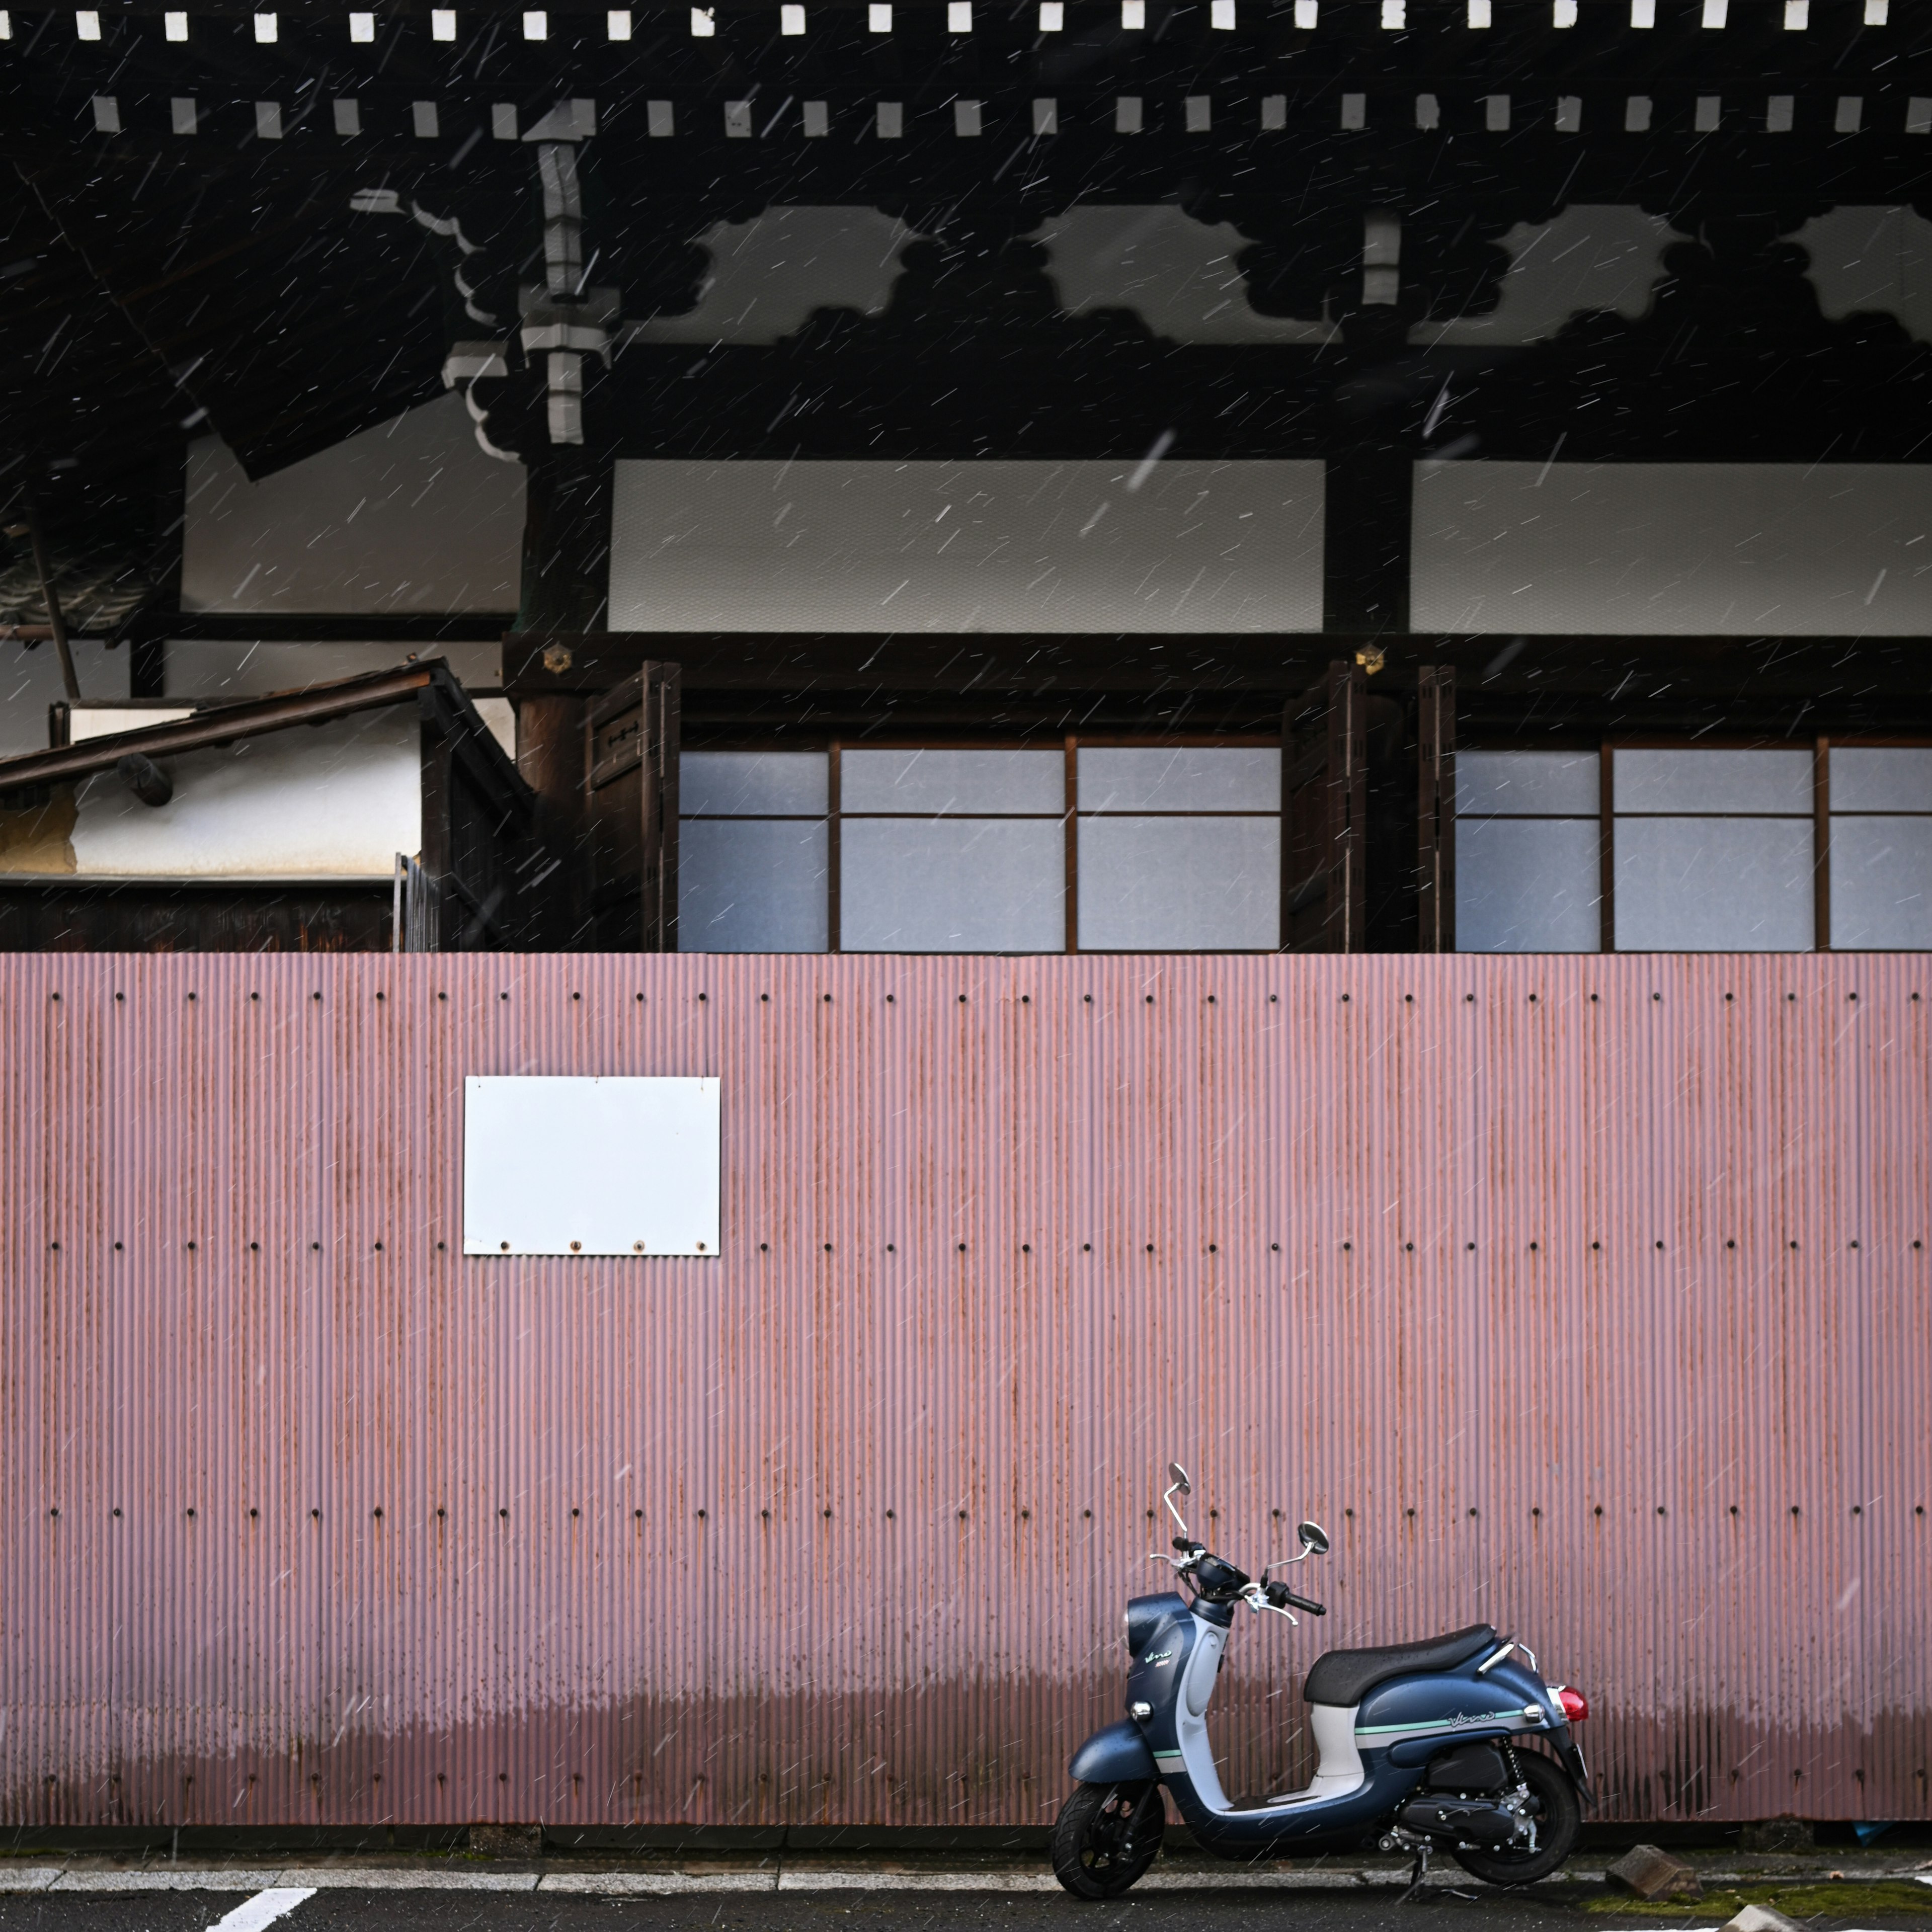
[[335, 1911], [1206, 1911]]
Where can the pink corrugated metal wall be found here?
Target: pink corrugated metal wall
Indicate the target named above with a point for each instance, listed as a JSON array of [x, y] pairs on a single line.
[[1585, 1295]]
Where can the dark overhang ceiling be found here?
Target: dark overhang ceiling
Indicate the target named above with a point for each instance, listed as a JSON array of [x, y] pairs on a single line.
[[296, 229], [286, 320], [87, 416]]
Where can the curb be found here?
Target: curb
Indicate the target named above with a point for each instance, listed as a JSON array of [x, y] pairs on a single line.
[[44, 1879], [779, 1877]]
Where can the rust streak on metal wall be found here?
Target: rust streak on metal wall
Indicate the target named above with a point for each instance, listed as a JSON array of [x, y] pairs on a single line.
[[1586, 1294]]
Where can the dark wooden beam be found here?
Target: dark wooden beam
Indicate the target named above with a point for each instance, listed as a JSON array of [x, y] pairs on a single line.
[[1366, 540], [77, 915], [1623, 674], [251, 717]]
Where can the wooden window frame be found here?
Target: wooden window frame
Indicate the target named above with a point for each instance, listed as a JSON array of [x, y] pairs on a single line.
[[1823, 814], [1129, 741], [1820, 746], [828, 818], [1069, 746]]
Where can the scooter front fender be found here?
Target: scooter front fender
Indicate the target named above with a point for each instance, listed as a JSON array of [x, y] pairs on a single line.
[[1118, 1755]]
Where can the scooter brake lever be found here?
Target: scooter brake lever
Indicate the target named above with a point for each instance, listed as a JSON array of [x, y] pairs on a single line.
[[1255, 1600]]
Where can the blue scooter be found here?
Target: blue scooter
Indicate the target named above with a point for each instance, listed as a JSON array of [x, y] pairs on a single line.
[[1422, 1745]]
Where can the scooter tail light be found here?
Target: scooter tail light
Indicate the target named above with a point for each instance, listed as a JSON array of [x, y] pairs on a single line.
[[1576, 1705]]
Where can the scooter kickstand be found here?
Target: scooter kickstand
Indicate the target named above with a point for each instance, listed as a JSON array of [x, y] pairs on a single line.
[[1417, 1873]]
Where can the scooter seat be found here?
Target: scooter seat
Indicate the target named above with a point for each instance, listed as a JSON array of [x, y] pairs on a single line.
[[1346, 1677]]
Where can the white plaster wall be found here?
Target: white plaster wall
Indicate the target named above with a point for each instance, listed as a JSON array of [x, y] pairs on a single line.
[[1872, 259], [410, 516], [219, 667], [1585, 260], [334, 801], [1180, 274], [768, 276], [1674, 549], [103, 720], [975, 546]]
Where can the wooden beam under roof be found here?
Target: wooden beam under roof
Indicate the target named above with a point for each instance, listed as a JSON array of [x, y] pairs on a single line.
[[223, 724]]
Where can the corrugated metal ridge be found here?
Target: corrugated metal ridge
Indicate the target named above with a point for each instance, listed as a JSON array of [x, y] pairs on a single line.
[[1585, 1295]]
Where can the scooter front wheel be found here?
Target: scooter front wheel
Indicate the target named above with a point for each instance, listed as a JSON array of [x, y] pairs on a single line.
[[1106, 1836], [1559, 1819]]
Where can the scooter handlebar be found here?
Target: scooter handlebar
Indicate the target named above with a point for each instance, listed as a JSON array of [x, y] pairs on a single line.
[[1282, 1597]]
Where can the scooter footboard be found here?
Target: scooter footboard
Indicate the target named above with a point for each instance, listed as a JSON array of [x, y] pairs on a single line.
[[1274, 1831], [1118, 1755]]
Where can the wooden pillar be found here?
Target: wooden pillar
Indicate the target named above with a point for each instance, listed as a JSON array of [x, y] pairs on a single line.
[[550, 756], [566, 561], [148, 632], [631, 814], [1366, 540], [1436, 808], [1370, 443], [1324, 814], [566, 540]]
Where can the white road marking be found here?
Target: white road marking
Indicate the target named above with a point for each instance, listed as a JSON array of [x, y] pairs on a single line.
[[28, 1878], [257, 1914], [806, 1878], [621, 1884]]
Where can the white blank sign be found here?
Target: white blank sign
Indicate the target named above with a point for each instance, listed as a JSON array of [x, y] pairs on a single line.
[[567, 1166]]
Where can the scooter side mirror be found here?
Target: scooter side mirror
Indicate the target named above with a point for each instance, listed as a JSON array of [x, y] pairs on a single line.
[[1314, 1539], [1179, 1485]]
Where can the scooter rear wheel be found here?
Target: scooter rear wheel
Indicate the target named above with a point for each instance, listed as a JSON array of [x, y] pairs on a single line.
[[1559, 1818], [1105, 1837]]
